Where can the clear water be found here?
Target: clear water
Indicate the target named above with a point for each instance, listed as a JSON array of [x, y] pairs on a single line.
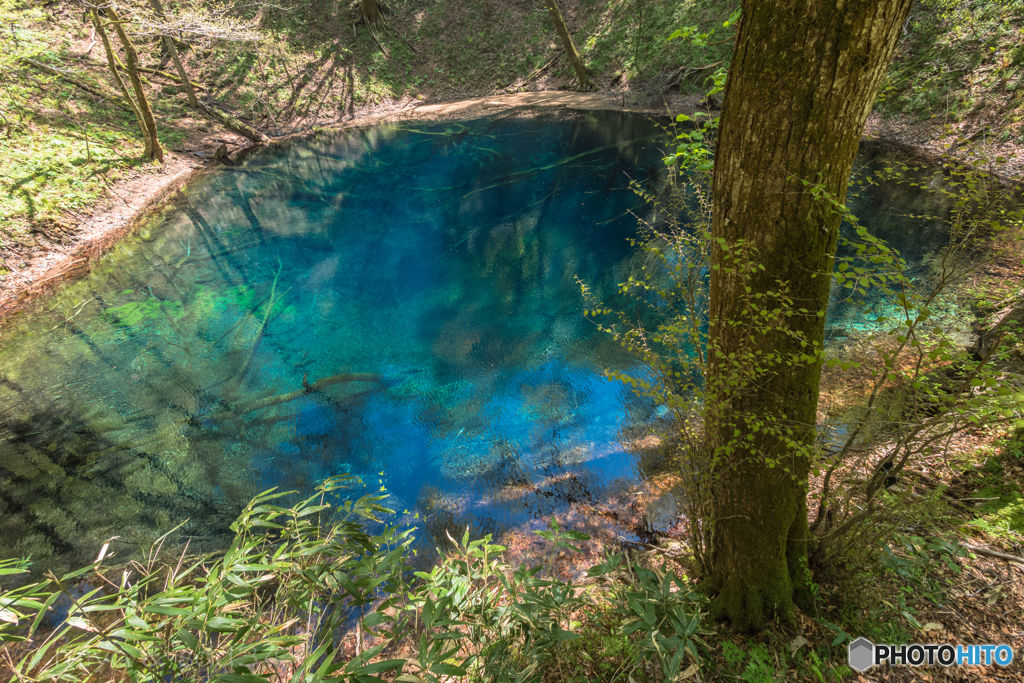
[[431, 266]]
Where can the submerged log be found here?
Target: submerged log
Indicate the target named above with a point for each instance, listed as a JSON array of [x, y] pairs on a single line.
[[258, 404]]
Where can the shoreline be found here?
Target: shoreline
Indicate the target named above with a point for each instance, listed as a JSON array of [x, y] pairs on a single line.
[[132, 201]]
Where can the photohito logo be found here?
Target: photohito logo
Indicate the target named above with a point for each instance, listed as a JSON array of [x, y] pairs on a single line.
[[864, 654]]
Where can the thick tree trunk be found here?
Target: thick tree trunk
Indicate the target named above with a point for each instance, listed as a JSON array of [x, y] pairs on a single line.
[[371, 13], [570, 47], [153, 148], [804, 75], [173, 52]]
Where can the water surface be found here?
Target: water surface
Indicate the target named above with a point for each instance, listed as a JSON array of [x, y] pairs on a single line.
[[400, 303]]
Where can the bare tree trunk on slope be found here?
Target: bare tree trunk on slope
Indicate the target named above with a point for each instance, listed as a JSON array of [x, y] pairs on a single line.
[[570, 47], [112, 65], [371, 13], [173, 52]]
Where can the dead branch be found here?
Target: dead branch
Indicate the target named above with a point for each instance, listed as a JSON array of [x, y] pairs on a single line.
[[234, 125], [532, 76], [992, 553], [685, 72], [116, 100], [170, 76]]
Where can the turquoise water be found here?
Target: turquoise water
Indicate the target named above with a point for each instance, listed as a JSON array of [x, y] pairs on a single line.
[[400, 303]]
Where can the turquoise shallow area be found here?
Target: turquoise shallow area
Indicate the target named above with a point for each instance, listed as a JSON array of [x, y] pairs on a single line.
[[420, 278]]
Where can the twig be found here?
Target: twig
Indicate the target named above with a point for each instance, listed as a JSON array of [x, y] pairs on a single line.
[[92, 43], [14, 270], [992, 553], [176, 79], [63, 272]]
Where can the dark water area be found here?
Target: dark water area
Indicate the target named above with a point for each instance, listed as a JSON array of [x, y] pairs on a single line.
[[398, 303], [911, 218]]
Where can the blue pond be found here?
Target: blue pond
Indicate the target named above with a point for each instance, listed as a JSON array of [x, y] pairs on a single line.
[[420, 278]]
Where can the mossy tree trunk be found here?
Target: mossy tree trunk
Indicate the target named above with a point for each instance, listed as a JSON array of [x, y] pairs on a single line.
[[803, 78], [570, 47], [153, 148], [112, 65]]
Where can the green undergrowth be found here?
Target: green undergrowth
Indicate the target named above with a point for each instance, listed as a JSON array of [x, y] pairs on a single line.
[[283, 601], [995, 482], [61, 148], [285, 597], [629, 38], [961, 60]]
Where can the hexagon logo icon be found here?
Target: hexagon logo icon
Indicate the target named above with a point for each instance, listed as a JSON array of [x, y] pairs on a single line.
[[862, 655]]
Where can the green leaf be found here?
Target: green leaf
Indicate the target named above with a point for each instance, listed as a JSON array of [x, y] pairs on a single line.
[[377, 667], [447, 670], [166, 611], [224, 624], [242, 678]]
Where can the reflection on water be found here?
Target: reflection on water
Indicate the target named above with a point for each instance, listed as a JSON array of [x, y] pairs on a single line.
[[399, 303]]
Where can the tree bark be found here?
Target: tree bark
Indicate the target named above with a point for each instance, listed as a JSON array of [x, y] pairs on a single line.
[[570, 47], [153, 148], [173, 51], [371, 13], [803, 77]]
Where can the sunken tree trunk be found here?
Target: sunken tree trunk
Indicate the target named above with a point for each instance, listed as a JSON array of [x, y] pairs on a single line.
[[570, 47], [153, 148], [173, 52], [804, 75]]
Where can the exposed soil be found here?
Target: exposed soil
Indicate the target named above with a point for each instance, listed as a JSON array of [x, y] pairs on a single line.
[[934, 141]]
